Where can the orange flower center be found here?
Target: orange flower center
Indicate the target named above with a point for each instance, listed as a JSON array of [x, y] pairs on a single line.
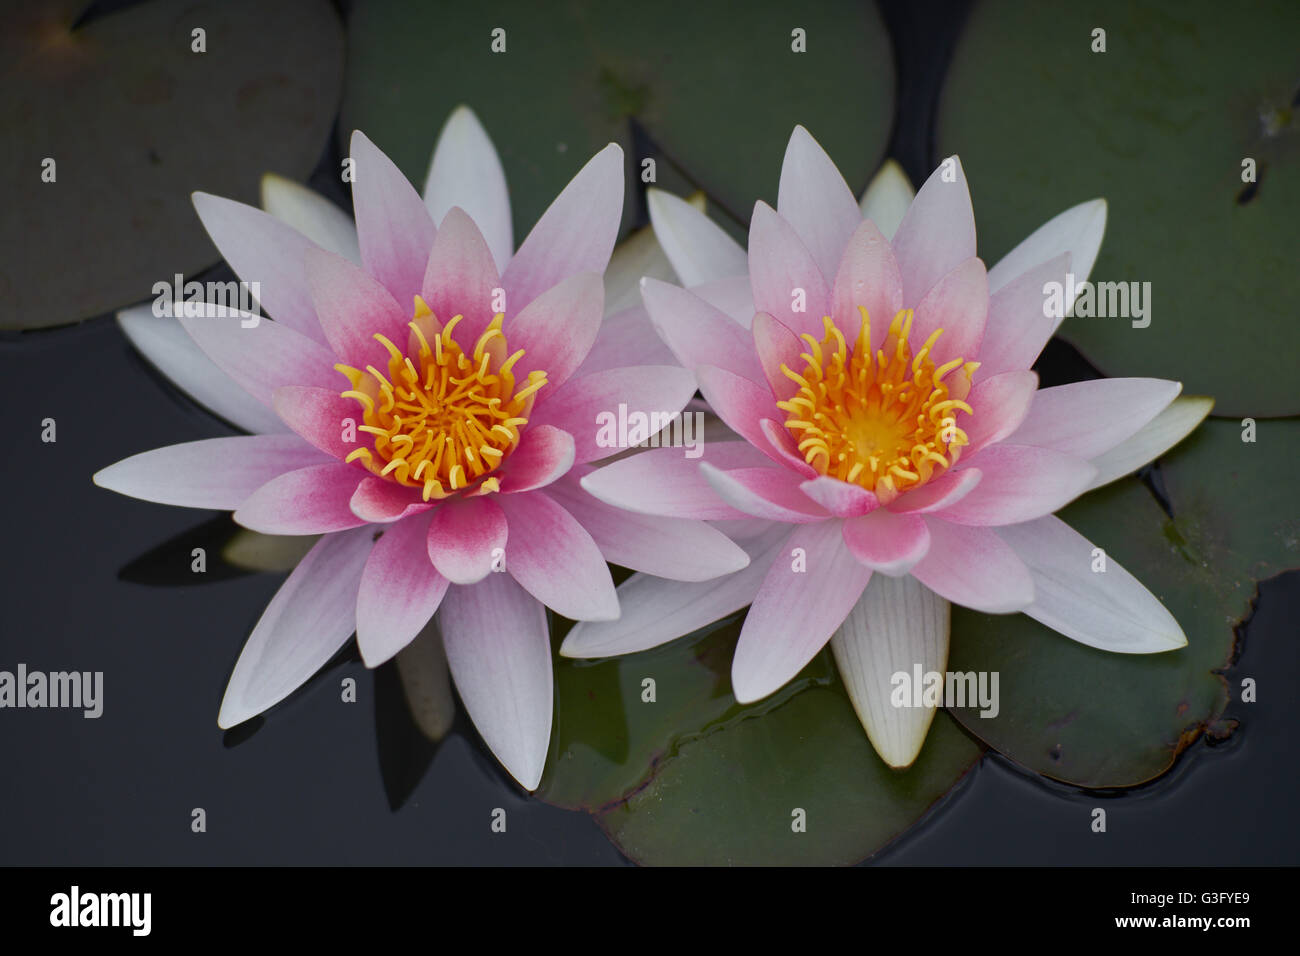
[[442, 418]]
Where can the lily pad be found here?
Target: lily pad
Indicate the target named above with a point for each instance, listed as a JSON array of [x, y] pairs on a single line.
[[715, 88], [695, 778], [1159, 124], [135, 120], [1095, 719]]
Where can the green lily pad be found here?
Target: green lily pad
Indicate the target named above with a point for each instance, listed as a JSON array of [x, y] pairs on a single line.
[[1159, 124], [716, 88], [135, 121], [1095, 719], [695, 778]]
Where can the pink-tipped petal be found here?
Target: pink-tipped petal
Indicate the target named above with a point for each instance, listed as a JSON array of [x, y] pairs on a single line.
[[937, 494], [556, 560], [840, 498], [814, 198], [937, 233], [887, 542], [807, 593], [741, 403], [499, 653], [624, 336], [319, 219], [306, 623], [265, 356], [868, 276], [264, 250], [466, 171], [1001, 404], [675, 548], [394, 229], [576, 234], [545, 454], [1019, 326], [382, 501], [697, 333], [467, 539], [771, 493], [775, 346], [785, 278], [558, 328], [352, 307], [460, 278], [698, 249], [975, 568], [1077, 231], [218, 473], [323, 417], [665, 482], [399, 591], [782, 448], [958, 303], [1088, 418], [733, 297], [311, 500], [1020, 483], [593, 407]]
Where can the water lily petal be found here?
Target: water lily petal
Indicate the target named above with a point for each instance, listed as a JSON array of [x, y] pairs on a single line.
[[352, 308], [316, 217], [623, 335], [1077, 231], [465, 171], [399, 591], [218, 473], [784, 275], [321, 416], [775, 345], [558, 328], [655, 611], [588, 408], [1018, 326], [796, 610], [958, 303], [771, 493], [499, 653], [897, 625], [1001, 404], [465, 536], [887, 542], [665, 482], [840, 498], [1152, 440], [394, 229], [311, 500], [576, 234], [545, 453], [937, 233], [459, 278], [1020, 483], [887, 197], [975, 568], [171, 350], [814, 198], [382, 501], [1107, 609], [556, 560], [739, 402], [868, 276], [699, 249], [676, 548], [309, 619], [265, 356], [697, 333], [939, 493], [1088, 418], [262, 249]]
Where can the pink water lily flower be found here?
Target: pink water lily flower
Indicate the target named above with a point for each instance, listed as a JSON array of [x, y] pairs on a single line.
[[421, 401], [894, 451]]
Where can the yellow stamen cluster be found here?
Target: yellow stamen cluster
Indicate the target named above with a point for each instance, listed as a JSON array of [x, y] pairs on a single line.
[[442, 418], [885, 422]]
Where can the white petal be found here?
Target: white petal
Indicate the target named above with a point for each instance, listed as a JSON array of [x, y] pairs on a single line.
[[638, 255], [500, 658], [1152, 440], [170, 349], [1110, 609], [320, 220], [887, 197], [466, 171], [897, 625], [426, 682], [308, 620], [699, 250], [1078, 231]]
